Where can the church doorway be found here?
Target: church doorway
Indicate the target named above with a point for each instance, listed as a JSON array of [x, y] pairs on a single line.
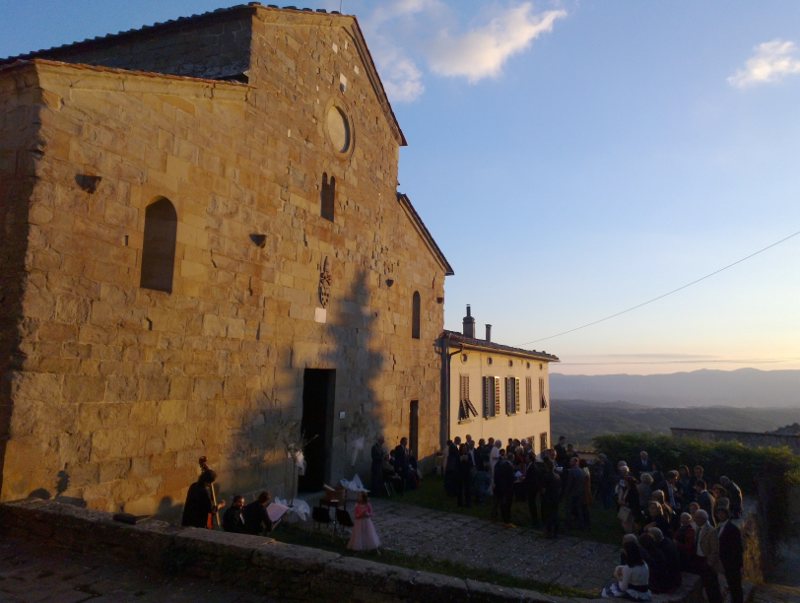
[[317, 427]]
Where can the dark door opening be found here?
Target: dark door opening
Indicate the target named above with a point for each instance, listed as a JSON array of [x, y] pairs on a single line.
[[413, 428], [317, 427]]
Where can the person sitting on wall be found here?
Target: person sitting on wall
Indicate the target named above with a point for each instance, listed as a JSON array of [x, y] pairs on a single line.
[[233, 520], [256, 518], [199, 507]]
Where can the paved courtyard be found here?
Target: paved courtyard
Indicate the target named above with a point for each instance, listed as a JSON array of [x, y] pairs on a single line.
[[474, 542]]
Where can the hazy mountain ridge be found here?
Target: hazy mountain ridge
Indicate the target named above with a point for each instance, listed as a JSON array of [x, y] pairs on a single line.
[[582, 420], [740, 388]]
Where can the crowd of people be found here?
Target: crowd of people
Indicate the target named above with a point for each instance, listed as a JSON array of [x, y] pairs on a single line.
[[393, 471], [674, 521]]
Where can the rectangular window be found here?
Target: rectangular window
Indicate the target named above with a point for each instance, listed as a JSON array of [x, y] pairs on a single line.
[[528, 395], [466, 409], [543, 441], [491, 396], [542, 397], [512, 395]]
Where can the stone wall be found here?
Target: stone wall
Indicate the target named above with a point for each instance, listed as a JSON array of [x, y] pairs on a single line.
[[123, 388], [749, 438], [20, 147], [286, 572]]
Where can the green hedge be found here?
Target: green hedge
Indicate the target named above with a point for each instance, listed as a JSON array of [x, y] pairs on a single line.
[[767, 473]]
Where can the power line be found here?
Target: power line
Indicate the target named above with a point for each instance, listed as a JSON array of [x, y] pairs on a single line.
[[663, 295]]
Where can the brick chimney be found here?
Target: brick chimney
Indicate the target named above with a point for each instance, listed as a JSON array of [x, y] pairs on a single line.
[[469, 324], [488, 332]]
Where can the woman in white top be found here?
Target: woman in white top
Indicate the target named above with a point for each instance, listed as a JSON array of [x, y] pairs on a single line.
[[631, 579]]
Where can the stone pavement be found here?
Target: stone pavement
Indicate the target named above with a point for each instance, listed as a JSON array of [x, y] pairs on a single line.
[[30, 573], [474, 542]]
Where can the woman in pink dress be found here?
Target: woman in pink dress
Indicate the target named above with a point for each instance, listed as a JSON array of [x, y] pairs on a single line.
[[364, 537]]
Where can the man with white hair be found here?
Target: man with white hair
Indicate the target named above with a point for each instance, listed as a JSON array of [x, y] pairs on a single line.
[[671, 559], [708, 562]]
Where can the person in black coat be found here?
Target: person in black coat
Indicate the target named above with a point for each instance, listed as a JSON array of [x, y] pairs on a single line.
[[199, 505], [401, 463], [550, 492], [731, 553], [233, 520], [504, 486], [377, 452], [256, 518], [465, 467], [532, 488], [670, 576]]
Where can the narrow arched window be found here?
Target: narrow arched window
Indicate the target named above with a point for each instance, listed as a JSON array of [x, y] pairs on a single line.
[[415, 312], [158, 248], [327, 197]]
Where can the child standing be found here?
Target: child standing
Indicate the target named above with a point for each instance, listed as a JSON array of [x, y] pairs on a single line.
[[364, 537]]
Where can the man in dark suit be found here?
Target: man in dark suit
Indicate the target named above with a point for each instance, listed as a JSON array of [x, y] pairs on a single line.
[[574, 492], [233, 520], [504, 486], [730, 550], [401, 463], [256, 519], [705, 499], [734, 495], [643, 464]]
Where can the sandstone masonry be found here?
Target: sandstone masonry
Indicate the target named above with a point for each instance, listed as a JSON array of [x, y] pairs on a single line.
[[240, 121]]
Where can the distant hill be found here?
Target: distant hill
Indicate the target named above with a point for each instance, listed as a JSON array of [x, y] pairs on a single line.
[[741, 388], [582, 420]]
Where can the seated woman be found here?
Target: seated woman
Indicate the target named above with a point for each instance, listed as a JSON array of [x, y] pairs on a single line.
[[630, 579]]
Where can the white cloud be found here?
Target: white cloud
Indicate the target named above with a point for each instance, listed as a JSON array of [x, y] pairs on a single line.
[[401, 78], [482, 52], [772, 61]]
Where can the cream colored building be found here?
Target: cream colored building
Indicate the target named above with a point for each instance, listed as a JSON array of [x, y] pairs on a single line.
[[204, 253], [495, 390]]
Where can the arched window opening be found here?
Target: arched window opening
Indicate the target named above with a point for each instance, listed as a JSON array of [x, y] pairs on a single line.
[[415, 315], [327, 197], [158, 249]]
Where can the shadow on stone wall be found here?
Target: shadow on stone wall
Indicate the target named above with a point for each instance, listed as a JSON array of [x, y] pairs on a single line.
[[15, 195], [258, 450]]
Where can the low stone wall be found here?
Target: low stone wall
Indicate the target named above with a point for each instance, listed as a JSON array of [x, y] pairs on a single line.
[[286, 572]]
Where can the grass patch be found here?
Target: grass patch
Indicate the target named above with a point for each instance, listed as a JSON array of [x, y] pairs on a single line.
[[293, 534], [431, 495]]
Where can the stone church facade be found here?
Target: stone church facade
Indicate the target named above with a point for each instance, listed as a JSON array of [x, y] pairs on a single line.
[[204, 253]]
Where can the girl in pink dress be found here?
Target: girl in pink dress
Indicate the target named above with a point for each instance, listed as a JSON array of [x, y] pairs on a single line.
[[364, 537]]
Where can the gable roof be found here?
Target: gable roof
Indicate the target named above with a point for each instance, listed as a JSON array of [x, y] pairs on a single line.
[[241, 10], [423, 231], [458, 339]]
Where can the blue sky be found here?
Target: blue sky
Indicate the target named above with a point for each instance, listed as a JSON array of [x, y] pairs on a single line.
[[577, 158]]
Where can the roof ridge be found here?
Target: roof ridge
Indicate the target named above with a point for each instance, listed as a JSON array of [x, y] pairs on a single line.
[[158, 24]]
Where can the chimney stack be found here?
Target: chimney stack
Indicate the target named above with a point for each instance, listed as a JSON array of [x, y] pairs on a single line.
[[488, 332], [469, 324]]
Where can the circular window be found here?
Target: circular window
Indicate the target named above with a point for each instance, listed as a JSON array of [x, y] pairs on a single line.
[[338, 129]]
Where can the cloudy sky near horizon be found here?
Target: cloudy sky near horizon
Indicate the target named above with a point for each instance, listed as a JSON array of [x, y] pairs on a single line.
[[575, 159]]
